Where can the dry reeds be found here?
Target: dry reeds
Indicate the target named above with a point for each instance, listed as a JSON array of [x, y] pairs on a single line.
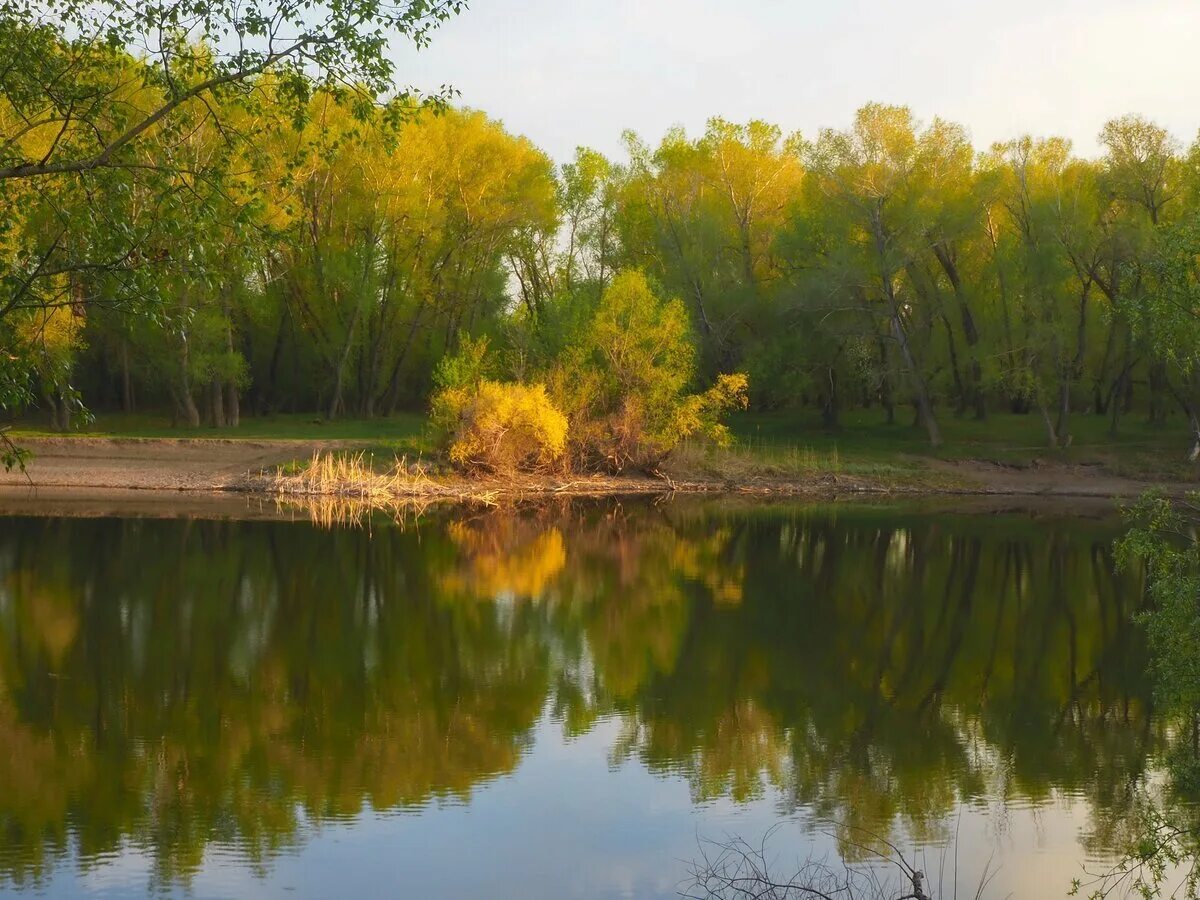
[[356, 477], [348, 475]]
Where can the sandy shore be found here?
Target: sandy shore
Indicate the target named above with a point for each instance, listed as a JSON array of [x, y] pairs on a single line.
[[98, 465], [155, 464]]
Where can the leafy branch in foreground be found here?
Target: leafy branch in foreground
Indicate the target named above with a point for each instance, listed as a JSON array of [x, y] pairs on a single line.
[[58, 76], [1166, 540], [1164, 855]]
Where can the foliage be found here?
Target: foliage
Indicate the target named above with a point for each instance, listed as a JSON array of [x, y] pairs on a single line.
[[624, 381], [299, 239], [456, 379], [131, 151], [1165, 541], [503, 427], [1166, 839], [464, 368]]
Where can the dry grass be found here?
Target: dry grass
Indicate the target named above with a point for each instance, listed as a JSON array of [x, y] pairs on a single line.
[[351, 489], [357, 477], [343, 488]]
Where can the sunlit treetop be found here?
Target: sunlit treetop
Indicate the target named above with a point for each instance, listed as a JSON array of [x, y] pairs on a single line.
[[60, 56]]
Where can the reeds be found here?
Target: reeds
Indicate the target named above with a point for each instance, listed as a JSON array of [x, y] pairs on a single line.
[[356, 477], [351, 475]]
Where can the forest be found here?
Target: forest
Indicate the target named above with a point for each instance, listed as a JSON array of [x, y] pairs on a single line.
[[293, 244]]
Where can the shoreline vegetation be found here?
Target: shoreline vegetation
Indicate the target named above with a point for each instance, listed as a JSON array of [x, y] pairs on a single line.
[[380, 463]]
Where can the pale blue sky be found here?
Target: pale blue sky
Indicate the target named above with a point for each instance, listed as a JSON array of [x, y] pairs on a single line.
[[568, 72]]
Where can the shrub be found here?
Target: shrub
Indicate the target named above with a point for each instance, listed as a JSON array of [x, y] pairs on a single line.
[[455, 380], [702, 413], [617, 393], [624, 382], [502, 427]]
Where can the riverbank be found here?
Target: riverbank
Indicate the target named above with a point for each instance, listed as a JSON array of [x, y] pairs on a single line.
[[267, 467]]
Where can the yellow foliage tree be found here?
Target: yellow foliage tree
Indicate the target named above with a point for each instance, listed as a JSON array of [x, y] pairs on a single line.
[[504, 427]]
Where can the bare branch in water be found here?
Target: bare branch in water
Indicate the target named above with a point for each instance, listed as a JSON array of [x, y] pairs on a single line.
[[734, 869]]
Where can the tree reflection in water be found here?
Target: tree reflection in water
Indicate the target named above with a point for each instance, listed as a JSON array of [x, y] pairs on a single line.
[[175, 684]]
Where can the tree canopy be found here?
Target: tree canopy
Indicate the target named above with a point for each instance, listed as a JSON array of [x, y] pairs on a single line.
[[222, 208]]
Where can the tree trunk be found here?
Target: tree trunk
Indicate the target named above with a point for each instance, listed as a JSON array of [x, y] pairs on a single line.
[[1157, 378], [959, 386], [266, 393], [51, 402], [216, 406], [1074, 369], [393, 392], [970, 330], [1061, 430], [1117, 402], [1122, 395], [1100, 399], [1051, 432], [58, 409], [335, 402], [188, 410], [126, 381], [830, 400], [232, 407], [924, 404], [885, 384]]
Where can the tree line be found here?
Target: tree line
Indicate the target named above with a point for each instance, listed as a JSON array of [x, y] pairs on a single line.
[[284, 242]]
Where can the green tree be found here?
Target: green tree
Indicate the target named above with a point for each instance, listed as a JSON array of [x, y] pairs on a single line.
[[87, 88], [871, 182], [624, 380]]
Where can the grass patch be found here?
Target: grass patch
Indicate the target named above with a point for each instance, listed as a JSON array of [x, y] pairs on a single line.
[[355, 475], [781, 445], [749, 461], [402, 433], [864, 439], [362, 476]]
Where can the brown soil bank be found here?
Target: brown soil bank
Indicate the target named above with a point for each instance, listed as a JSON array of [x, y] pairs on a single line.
[[247, 466], [178, 465]]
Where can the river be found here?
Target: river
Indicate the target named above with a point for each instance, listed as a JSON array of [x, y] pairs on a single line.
[[575, 699]]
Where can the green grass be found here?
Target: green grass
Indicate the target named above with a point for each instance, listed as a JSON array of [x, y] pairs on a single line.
[[403, 432], [864, 438], [782, 444]]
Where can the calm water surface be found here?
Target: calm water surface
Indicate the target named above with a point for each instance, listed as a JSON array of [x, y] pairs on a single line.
[[560, 702]]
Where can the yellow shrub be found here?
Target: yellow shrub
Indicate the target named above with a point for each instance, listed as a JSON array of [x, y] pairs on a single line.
[[504, 427], [624, 381]]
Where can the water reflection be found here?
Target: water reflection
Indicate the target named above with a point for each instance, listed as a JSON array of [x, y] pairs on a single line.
[[174, 685]]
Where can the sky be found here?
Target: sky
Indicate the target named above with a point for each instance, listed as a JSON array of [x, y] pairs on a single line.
[[567, 73]]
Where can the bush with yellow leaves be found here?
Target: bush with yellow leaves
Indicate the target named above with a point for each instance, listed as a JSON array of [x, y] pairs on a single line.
[[624, 381], [501, 427], [617, 395]]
